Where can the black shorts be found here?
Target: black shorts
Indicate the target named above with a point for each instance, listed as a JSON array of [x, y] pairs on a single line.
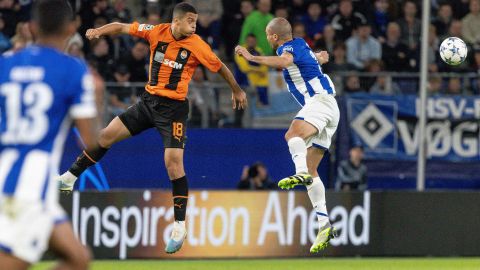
[[168, 116]]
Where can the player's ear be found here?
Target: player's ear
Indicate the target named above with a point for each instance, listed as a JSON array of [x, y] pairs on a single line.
[[33, 26], [175, 20], [71, 28]]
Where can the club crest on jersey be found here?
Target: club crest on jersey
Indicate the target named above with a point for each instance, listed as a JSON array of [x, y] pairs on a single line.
[[183, 54]]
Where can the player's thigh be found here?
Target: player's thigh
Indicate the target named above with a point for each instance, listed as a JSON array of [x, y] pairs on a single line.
[[136, 119], [65, 245], [314, 157], [9, 262], [170, 120], [113, 133], [300, 128], [318, 113]]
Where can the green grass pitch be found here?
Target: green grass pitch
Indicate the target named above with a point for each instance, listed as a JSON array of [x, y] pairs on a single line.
[[289, 264]]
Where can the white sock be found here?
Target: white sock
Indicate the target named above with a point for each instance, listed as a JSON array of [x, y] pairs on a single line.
[[316, 192], [68, 178], [178, 226], [298, 150]]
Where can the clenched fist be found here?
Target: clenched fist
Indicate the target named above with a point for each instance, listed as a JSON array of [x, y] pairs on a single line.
[[92, 33], [243, 52]]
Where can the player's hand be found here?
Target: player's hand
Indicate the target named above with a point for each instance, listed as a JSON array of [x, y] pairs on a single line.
[[239, 100], [323, 57], [92, 33], [245, 173], [242, 51]]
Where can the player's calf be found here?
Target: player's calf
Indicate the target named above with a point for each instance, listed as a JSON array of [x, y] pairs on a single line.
[[85, 160]]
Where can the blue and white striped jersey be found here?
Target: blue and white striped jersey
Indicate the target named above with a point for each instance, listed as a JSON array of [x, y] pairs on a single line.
[[41, 90], [304, 77]]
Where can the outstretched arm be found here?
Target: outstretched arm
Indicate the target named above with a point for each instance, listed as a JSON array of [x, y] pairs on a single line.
[[108, 29], [282, 61], [239, 98]]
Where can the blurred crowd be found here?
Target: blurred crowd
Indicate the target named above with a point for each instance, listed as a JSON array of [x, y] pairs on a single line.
[[373, 36]]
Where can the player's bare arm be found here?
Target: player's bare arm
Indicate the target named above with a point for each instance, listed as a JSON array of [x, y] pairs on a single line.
[[239, 98], [108, 29], [323, 57], [282, 61], [88, 130]]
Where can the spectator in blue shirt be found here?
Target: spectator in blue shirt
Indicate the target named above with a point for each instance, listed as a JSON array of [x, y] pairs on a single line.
[[314, 21], [381, 18]]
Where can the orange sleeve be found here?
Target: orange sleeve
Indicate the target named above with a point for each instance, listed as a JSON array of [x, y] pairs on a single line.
[[206, 57], [141, 30]]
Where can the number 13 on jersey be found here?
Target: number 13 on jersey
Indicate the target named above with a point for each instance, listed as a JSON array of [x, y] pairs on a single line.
[[24, 120]]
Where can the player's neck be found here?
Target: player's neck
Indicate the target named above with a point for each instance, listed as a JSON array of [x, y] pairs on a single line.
[[176, 35], [52, 42], [282, 41]]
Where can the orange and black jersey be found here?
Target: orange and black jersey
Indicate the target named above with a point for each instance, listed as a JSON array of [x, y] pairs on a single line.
[[172, 62]]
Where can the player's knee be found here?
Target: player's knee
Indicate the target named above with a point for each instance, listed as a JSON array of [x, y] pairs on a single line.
[[82, 259], [106, 138], [174, 167], [175, 173], [293, 133], [289, 135]]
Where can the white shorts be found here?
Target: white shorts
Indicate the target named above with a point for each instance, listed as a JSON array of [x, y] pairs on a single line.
[[26, 227], [322, 112]]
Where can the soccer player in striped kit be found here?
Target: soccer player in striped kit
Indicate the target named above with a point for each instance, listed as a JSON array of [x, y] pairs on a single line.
[[41, 91], [175, 52], [310, 133]]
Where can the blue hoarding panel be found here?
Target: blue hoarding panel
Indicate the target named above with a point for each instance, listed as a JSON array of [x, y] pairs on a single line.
[[214, 159]]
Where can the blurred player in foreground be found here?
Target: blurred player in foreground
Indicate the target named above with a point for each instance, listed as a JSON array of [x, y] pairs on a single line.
[[41, 91], [175, 53], [310, 133]]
